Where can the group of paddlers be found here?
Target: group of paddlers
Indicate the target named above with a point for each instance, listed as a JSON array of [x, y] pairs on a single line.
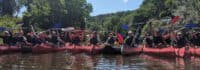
[[57, 39]]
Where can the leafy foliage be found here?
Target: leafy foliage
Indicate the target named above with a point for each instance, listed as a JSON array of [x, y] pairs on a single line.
[[9, 7], [45, 13], [156, 10], [9, 22]]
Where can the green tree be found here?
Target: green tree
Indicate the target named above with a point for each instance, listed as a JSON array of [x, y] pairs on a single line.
[[45, 13], [9, 7]]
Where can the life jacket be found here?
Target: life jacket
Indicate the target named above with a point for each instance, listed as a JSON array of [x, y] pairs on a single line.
[[157, 40], [94, 40], [76, 40], [120, 38], [33, 40], [111, 40], [149, 42], [181, 42], [129, 40]]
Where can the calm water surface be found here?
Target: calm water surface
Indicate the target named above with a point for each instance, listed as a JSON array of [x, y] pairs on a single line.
[[67, 61]]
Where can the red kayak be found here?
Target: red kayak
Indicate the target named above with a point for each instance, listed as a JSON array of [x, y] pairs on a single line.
[[14, 49], [151, 51], [11, 49], [74, 49], [4, 49], [42, 49], [193, 52], [180, 52], [47, 49], [83, 49], [167, 52], [91, 49], [131, 51], [197, 51]]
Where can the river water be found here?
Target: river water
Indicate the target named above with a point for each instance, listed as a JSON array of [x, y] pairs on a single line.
[[67, 61]]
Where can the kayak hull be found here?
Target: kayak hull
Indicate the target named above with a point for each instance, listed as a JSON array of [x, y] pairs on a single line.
[[131, 51], [11, 49], [161, 52], [110, 50]]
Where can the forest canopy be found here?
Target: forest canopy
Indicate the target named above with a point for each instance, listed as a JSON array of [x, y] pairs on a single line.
[[45, 14]]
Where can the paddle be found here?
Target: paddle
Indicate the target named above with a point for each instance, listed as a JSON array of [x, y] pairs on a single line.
[[137, 32]]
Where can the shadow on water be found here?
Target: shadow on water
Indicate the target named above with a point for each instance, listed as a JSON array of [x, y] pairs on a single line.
[[66, 61]]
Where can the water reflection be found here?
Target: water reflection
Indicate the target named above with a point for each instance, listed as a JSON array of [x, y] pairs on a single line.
[[67, 61]]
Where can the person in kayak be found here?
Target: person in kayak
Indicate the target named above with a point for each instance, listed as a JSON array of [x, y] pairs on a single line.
[[7, 38], [75, 39], [167, 38], [43, 38], [65, 37], [55, 40], [129, 39], [198, 42], [95, 40], [194, 39], [158, 39], [21, 40], [110, 40], [180, 40], [33, 39], [148, 40]]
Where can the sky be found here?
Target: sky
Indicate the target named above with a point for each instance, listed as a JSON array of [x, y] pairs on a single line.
[[112, 6]]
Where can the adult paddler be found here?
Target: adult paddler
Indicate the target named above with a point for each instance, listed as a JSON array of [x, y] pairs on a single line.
[[7, 38], [129, 39], [21, 40], [110, 40], [33, 39], [55, 40], [180, 40], [75, 39], [95, 39]]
